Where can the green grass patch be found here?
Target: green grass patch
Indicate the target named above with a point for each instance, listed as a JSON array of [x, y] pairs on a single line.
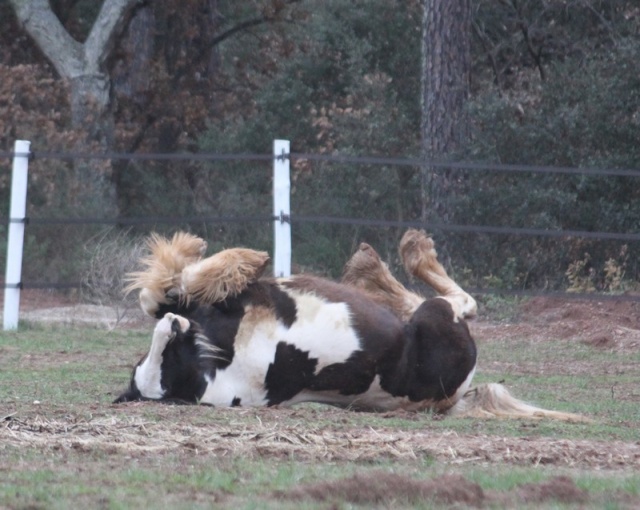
[[53, 380]]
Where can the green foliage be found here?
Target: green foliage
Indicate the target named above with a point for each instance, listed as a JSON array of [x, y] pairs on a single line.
[[584, 115], [584, 276], [553, 83], [343, 66], [350, 84]]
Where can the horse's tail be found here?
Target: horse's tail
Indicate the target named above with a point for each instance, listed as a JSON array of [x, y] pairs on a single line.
[[494, 401]]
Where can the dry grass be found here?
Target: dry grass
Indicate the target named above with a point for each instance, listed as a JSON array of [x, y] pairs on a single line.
[[62, 443], [285, 433]]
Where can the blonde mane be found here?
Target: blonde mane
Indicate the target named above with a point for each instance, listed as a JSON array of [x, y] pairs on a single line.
[[164, 264], [176, 266]]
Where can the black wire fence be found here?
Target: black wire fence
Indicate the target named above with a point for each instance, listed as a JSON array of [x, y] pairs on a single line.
[[372, 220]]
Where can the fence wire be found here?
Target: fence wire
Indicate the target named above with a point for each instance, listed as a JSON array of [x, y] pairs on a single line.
[[319, 219], [326, 158]]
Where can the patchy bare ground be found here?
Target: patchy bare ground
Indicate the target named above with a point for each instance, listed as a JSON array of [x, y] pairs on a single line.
[[315, 436], [310, 435], [449, 490], [43, 306], [601, 324]]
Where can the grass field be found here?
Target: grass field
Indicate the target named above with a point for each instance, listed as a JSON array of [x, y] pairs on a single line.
[[64, 445]]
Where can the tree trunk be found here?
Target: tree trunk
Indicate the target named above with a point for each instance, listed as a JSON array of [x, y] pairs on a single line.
[[82, 65], [131, 74], [92, 190], [446, 63]]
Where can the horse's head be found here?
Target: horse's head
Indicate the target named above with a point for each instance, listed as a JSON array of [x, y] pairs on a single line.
[[171, 370]]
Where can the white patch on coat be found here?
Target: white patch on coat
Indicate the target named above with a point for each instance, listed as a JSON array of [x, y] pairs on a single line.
[[374, 399], [149, 302], [464, 387], [323, 329]]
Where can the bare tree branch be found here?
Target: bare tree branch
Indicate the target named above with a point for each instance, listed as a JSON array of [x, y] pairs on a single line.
[[105, 29], [486, 45], [218, 38], [613, 35], [65, 53]]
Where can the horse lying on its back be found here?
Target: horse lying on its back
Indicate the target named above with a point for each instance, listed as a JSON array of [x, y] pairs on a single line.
[[227, 337]]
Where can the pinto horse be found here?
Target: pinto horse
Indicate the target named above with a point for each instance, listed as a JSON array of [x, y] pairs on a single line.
[[227, 336]]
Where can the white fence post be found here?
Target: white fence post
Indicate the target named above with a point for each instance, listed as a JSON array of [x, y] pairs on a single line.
[[15, 240], [281, 209]]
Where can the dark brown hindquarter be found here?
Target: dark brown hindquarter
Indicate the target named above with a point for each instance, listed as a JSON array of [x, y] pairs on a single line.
[[438, 357]]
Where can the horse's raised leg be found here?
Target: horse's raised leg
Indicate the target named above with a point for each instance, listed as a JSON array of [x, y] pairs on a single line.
[[148, 374], [421, 260], [226, 273], [366, 272]]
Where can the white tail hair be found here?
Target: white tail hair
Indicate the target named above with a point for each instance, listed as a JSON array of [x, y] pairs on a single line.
[[494, 401]]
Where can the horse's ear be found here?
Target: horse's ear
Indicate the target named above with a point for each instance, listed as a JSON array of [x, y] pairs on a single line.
[[224, 274]]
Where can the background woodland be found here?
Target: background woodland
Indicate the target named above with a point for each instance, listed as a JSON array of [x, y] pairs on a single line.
[[547, 83]]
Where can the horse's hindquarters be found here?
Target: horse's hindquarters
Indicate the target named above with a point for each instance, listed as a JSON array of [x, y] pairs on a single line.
[[439, 357]]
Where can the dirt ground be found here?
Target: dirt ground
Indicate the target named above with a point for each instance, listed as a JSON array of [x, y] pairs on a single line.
[[286, 433], [604, 324]]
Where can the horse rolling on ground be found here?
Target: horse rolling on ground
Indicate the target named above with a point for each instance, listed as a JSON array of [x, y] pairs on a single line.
[[228, 337]]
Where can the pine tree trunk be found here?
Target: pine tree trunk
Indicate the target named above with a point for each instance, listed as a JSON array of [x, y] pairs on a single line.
[[446, 64]]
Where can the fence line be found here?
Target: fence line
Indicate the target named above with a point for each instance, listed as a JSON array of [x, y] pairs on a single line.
[[282, 218], [328, 158], [457, 165], [18, 220], [141, 220], [479, 229], [338, 159], [578, 296]]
